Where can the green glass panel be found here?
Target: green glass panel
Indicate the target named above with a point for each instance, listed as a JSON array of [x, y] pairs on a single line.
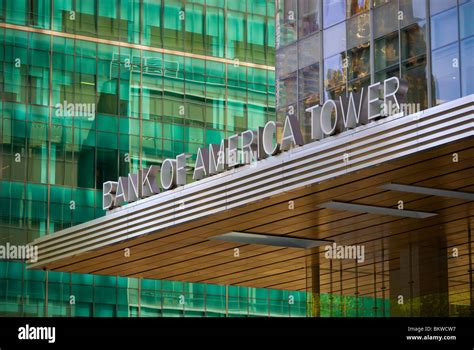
[[173, 26], [82, 278], [194, 28], [215, 28]]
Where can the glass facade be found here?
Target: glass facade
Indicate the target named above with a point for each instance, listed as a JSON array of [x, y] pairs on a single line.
[[327, 48], [451, 49], [37, 293], [95, 89]]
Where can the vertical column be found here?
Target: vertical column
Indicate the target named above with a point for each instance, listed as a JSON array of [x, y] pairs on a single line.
[[46, 294], [429, 76], [419, 278], [71, 306], [226, 301], [372, 46], [313, 287], [384, 287], [471, 289], [356, 269], [139, 296]]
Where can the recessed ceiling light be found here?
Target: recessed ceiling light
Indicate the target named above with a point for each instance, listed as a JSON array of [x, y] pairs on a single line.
[[270, 240], [371, 209], [429, 191]]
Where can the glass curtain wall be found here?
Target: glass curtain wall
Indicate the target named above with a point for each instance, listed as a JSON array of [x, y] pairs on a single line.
[[116, 85], [327, 48], [38, 293]]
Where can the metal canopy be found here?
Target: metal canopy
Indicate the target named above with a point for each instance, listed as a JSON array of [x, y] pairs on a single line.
[[168, 235]]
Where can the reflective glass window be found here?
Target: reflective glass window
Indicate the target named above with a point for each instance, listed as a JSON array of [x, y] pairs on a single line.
[[467, 66], [287, 90], [446, 86], [334, 11], [358, 62], [444, 28], [414, 68], [437, 6], [152, 17], [308, 17], [287, 17], [358, 30], [385, 19], [355, 7], [308, 50], [286, 60], [215, 31], [386, 51], [335, 75], [334, 39], [195, 36], [466, 13], [309, 84], [412, 11]]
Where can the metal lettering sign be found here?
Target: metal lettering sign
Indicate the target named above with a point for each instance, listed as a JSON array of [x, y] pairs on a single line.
[[329, 119]]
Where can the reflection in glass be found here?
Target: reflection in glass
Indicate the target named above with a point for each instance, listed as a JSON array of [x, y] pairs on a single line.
[[235, 35], [385, 19], [467, 66], [335, 74], [286, 60], [357, 85], [287, 22], [287, 90], [380, 2], [334, 12], [308, 17], [413, 11], [444, 28], [215, 31], [359, 62], [308, 50], [413, 41], [413, 52], [173, 31], [309, 84], [466, 13], [445, 74], [357, 6], [358, 30], [389, 72], [437, 6], [334, 40], [414, 72], [256, 27], [194, 29], [386, 51]]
